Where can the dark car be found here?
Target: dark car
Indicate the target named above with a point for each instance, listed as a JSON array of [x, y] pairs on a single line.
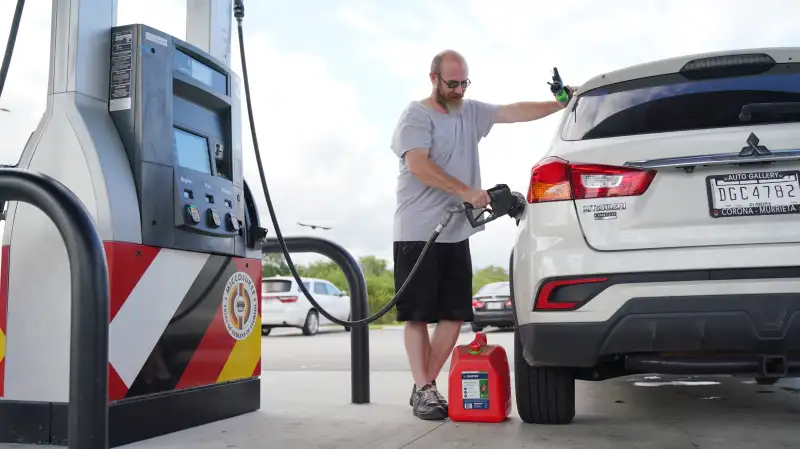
[[492, 306]]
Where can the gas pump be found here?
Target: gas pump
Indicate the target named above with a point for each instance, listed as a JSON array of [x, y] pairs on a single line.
[[145, 129]]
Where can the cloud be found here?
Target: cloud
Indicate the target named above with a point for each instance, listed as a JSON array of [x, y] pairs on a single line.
[[324, 164], [512, 45], [325, 113], [322, 158]]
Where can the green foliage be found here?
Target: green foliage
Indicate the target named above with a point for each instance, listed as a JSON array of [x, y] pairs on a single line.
[[487, 276], [379, 278]]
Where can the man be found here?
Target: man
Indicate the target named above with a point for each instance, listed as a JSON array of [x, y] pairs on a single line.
[[436, 140]]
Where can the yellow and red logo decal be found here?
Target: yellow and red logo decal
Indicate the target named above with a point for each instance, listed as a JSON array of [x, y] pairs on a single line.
[[239, 307]]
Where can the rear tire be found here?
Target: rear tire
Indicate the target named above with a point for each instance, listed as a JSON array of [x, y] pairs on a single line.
[[265, 331], [311, 326], [477, 327], [545, 395]]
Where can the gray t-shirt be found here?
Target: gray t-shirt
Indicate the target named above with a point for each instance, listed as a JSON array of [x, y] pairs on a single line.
[[452, 140]]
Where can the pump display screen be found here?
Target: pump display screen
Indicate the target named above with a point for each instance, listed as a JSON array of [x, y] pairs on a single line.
[[200, 72], [191, 150]]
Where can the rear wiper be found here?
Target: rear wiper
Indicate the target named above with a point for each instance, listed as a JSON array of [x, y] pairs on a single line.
[[786, 107]]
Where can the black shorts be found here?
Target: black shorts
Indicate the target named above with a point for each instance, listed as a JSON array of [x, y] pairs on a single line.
[[441, 288]]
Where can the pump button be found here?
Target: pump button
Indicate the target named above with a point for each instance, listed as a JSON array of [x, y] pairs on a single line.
[[214, 220], [233, 223], [192, 214]]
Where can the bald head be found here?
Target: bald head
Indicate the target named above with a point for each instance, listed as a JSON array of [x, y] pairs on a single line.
[[450, 56], [449, 78]]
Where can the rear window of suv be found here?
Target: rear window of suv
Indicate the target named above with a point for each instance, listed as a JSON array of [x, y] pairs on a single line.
[[276, 286], [674, 102]]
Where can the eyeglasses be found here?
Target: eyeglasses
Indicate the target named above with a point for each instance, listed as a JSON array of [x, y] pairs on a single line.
[[452, 84]]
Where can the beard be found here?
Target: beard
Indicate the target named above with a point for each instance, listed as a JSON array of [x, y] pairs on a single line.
[[449, 100]]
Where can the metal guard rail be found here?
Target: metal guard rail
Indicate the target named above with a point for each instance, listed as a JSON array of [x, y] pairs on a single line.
[[88, 370], [359, 304]]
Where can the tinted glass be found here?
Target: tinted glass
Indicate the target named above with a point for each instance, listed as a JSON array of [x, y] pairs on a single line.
[[200, 72], [675, 103], [499, 288], [276, 286]]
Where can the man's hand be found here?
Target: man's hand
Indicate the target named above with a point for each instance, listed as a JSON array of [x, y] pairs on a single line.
[[570, 92], [478, 198]]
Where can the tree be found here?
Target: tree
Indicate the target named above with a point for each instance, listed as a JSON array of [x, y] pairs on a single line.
[[274, 264], [488, 275], [372, 266]]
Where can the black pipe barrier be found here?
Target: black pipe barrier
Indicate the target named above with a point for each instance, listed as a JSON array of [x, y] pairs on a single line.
[[88, 366], [359, 304]]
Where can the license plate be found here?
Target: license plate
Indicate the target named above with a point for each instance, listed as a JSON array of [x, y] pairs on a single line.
[[749, 194], [494, 305]]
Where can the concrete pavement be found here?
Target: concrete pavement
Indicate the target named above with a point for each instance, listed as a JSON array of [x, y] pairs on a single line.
[[310, 409], [306, 394]]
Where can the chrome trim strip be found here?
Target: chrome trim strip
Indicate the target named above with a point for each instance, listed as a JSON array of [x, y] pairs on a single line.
[[715, 159]]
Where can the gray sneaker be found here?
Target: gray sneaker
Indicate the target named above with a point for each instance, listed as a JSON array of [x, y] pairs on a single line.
[[438, 395], [426, 404]]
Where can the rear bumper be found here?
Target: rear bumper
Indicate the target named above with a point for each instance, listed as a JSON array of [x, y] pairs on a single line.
[[504, 317], [288, 318], [742, 327]]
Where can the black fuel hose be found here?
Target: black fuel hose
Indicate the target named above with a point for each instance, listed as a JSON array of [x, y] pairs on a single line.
[[238, 9], [12, 40]]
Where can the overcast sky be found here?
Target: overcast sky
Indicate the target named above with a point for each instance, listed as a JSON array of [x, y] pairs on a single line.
[[329, 79]]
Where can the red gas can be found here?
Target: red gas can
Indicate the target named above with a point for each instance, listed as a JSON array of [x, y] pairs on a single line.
[[479, 383]]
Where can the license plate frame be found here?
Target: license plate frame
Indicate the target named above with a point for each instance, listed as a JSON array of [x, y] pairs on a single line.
[[739, 181], [495, 305]]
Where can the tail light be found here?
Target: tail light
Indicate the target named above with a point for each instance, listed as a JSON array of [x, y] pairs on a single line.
[[554, 179], [286, 299], [508, 303], [477, 303], [544, 300]]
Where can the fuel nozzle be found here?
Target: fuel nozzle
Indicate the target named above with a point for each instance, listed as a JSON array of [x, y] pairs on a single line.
[[503, 202], [558, 89]]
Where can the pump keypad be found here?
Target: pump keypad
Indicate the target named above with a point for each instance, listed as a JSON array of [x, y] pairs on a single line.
[[192, 213], [213, 210]]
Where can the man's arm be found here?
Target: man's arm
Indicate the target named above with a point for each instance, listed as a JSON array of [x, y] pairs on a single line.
[[411, 142], [528, 111], [430, 174]]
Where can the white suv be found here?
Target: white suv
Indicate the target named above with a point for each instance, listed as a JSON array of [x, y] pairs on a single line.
[[283, 304], [662, 233]]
